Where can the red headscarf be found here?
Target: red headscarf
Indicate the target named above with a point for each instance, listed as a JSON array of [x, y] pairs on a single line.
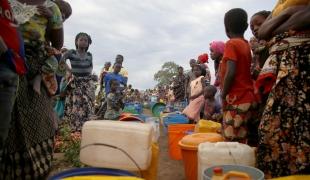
[[203, 58]]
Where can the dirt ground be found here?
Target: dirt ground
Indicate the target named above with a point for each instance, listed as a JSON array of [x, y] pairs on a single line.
[[167, 169]]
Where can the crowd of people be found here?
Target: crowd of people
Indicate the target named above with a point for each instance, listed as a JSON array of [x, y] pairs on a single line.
[[260, 93]]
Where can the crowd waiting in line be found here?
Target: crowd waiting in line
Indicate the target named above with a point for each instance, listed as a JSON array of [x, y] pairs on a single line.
[[260, 95]]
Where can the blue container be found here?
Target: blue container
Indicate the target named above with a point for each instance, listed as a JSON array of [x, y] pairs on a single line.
[[138, 107], [89, 171], [174, 119], [134, 108]]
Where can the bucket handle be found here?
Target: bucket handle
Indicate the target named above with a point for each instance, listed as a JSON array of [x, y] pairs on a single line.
[[114, 147]]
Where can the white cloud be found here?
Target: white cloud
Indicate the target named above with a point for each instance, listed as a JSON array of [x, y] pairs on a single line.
[[150, 32]]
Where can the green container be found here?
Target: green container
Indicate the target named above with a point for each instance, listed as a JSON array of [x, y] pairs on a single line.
[[157, 108]]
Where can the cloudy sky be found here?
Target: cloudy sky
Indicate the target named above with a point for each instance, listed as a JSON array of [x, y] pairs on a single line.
[[151, 32]]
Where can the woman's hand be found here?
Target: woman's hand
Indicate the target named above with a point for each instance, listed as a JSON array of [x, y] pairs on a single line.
[[44, 11], [298, 21]]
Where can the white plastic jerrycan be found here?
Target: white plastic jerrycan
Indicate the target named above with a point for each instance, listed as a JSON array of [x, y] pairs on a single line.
[[224, 153]]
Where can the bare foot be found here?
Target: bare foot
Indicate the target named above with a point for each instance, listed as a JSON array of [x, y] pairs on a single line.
[[37, 84]]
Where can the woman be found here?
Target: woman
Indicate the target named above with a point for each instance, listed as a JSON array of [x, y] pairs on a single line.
[[80, 99], [179, 86], [28, 150], [202, 59], [284, 129], [216, 54]]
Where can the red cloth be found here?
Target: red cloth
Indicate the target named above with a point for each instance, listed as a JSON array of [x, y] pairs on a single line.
[[265, 82], [203, 58], [12, 38], [238, 50]]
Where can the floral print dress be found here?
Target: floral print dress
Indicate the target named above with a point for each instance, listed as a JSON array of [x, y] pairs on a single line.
[[284, 145]]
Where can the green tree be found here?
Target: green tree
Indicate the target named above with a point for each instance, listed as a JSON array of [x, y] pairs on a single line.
[[164, 76]]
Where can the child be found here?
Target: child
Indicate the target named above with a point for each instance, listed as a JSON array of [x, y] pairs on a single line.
[[114, 75], [192, 111], [100, 97], [103, 72], [212, 108], [80, 98], [60, 99], [236, 83], [260, 54], [114, 101], [259, 48], [64, 8]]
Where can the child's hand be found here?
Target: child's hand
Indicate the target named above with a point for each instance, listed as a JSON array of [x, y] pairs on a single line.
[[3, 47], [44, 11]]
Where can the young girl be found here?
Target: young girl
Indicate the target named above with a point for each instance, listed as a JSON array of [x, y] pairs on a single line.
[[260, 52], [79, 102], [192, 111], [114, 102], [212, 108], [236, 83], [259, 48]]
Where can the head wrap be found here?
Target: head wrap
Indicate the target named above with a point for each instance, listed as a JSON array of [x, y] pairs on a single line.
[[217, 46], [203, 58]]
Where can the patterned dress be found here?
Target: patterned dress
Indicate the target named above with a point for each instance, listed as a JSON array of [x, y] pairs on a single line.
[[284, 146], [28, 150], [80, 100], [239, 107]]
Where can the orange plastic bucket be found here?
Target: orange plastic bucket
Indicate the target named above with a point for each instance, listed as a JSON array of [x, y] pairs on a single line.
[[175, 133], [189, 145]]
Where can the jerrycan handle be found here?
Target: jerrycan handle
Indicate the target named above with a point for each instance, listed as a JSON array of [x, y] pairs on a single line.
[[226, 144]]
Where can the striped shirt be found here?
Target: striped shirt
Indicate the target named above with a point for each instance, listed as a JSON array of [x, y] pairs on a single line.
[[80, 66]]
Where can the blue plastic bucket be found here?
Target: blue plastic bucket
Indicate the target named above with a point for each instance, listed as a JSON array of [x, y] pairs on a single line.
[[174, 119], [88, 171], [157, 108], [253, 172]]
